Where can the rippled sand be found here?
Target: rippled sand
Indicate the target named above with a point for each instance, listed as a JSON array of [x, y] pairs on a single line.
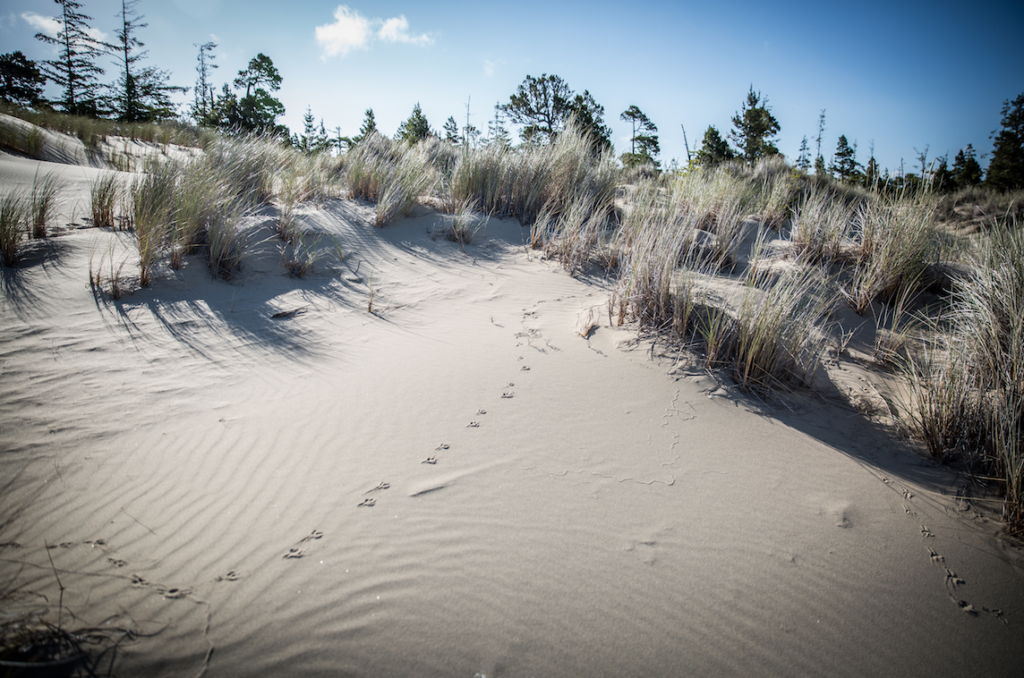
[[458, 483]]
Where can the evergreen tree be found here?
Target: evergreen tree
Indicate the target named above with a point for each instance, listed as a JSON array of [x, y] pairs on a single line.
[[803, 158], [496, 131], [542, 106], [966, 170], [713, 149], [844, 164], [643, 143], [871, 176], [470, 135], [819, 167], [451, 130], [202, 110], [75, 69], [942, 178], [819, 160], [141, 93], [369, 127], [754, 128], [416, 128], [21, 82], [589, 116], [312, 140], [1006, 170], [258, 111]]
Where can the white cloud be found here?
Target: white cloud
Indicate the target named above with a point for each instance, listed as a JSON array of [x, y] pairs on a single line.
[[397, 30], [488, 67], [46, 25], [351, 30], [50, 26]]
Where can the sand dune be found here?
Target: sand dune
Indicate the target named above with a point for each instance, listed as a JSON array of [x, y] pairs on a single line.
[[455, 484]]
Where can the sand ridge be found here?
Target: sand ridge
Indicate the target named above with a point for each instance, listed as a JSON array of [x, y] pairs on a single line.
[[262, 477]]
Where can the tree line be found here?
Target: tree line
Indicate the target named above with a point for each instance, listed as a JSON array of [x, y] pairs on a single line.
[[541, 106]]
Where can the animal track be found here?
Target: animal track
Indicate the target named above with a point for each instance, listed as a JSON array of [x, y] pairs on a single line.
[[524, 368], [908, 511], [380, 486], [473, 424], [442, 446], [117, 562], [508, 394], [925, 532], [316, 534], [230, 576], [294, 553], [429, 460], [369, 501], [936, 558]]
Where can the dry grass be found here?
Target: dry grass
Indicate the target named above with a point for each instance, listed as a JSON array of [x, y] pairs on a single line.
[[14, 205]]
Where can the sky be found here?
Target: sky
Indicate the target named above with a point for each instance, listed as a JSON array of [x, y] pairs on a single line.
[[902, 77]]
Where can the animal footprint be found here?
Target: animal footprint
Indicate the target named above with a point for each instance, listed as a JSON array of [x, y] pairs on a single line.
[[508, 394], [442, 446], [907, 494], [473, 424], [174, 593], [481, 412], [908, 511], [369, 501], [936, 558], [294, 553], [117, 562], [925, 532], [230, 576], [429, 460], [381, 486], [316, 534], [952, 580], [524, 368]]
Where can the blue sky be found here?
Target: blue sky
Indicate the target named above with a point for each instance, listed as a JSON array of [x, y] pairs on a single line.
[[902, 75]]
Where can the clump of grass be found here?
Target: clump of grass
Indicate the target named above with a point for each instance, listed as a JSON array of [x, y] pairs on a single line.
[[821, 225], [401, 184], [227, 241], [153, 207], [13, 210], [104, 197], [28, 141], [462, 226], [895, 244], [300, 257], [43, 202], [967, 390]]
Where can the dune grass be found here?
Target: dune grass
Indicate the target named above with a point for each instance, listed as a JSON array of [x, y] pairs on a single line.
[[105, 195], [13, 212], [43, 202], [967, 386]]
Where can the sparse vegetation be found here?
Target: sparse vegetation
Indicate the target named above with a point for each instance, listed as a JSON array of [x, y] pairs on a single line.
[[43, 202], [13, 207]]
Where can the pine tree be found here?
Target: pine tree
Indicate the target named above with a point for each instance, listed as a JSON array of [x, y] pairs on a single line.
[[754, 128], [803, 158], [714, 149], [942, 178], [75, 69], [202, 110], [819, 160], [368, 128], [589, 116], [966, 170], [1006, 170], [497, 133], [451, 130], [643, 143], [416, 128], [258, 111], [544, 106], [140, 93], [20, 79], [844, 164]]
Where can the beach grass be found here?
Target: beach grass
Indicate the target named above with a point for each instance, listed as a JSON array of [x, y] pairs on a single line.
[[13, 212]]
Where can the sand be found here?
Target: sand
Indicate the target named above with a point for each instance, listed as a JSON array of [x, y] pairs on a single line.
[[457, 484]]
